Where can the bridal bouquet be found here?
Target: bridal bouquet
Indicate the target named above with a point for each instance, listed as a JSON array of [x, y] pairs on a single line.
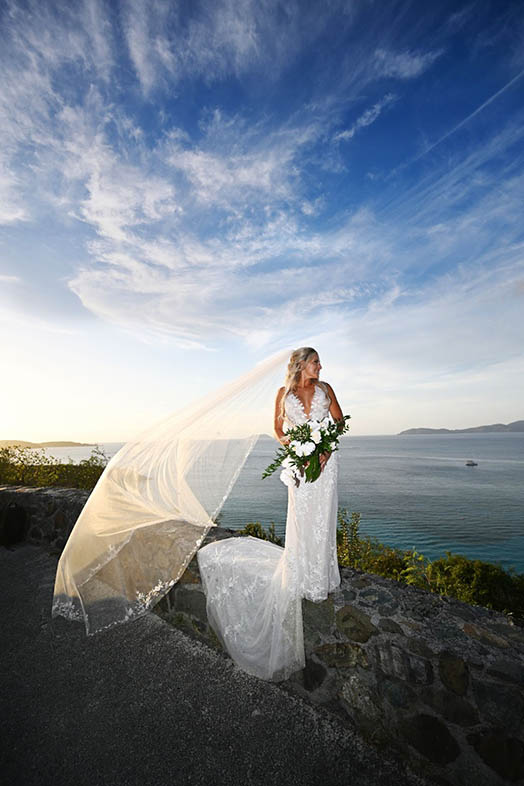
[[300, 458]]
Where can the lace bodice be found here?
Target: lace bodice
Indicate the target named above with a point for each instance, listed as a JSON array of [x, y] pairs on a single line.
[[295, 413]]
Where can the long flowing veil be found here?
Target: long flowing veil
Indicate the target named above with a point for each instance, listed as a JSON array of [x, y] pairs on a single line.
[[157, 499]]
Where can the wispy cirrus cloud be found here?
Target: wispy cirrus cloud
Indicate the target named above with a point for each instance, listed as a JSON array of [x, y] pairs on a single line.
[[12, 207], [471, 116], [219, 39], [260, 263], [5, 279], [224, 285], [404, 64], [235, 162], [366, 118]]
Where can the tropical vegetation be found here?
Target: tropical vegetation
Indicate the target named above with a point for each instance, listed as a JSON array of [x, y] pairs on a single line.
[[22, 466]]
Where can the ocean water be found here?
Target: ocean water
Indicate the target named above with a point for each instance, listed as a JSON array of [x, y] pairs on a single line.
[[411, 491]]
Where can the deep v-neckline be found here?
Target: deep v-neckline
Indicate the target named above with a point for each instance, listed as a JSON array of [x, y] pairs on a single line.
[[306, 414]]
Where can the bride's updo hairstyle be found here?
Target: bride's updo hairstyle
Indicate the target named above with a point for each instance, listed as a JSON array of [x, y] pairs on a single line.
[[297, 362]]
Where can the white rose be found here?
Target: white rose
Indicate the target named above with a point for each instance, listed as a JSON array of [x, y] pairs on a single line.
[[287, 477], [298, 448], [287, 463], [314, 425], [308, 448], [316, 436]]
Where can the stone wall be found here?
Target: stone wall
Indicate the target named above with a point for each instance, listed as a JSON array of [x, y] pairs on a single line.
[[436, 680], [43, 516], [439, 682]]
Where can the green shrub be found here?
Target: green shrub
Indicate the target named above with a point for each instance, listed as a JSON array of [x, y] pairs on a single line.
[[471, 581], [478, 582], [20, 466], [365, 553], [256, 530]]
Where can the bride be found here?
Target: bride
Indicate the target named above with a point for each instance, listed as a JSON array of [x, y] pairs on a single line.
[[159, 496], [254, 588]]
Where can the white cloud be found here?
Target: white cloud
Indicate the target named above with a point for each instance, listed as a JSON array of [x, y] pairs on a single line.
[[7, 279], [12, 207], [235, 165], [138, 41], [366, 118], [429, 147], [40, 39], [268, 268], [448, 354], [459, 18], [403, 65], [466, 190], [121, 196], [98, 28], [217, 39]]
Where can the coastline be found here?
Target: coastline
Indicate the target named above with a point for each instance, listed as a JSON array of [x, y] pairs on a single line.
[[411, 493]]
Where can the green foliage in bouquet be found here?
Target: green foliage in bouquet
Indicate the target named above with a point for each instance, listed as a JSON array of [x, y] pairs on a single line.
[[20, 466], [318, 437], [279, 458]]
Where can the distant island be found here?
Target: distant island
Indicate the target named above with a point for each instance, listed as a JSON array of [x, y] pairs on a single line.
[[517, 427], [22, 443]]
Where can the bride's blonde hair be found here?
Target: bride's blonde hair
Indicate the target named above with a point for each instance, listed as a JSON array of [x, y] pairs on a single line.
[[297, 363]]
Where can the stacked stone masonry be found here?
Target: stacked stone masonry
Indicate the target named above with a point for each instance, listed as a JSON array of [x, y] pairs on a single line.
[[39, 515], [437, 681]]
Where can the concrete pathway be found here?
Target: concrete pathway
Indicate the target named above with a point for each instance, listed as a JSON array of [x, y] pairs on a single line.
[[142, 704]]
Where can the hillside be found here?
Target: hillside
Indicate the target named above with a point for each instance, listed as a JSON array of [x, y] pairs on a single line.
[[517, 427], [22, 443]]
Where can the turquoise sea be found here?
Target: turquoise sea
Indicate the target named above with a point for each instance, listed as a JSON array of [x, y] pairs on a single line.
[[411, 491]]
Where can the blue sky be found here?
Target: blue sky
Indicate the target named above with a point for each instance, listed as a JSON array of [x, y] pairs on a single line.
[[186, 187]]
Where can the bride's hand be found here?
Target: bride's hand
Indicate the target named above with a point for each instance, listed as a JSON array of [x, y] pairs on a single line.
[[323, 459]]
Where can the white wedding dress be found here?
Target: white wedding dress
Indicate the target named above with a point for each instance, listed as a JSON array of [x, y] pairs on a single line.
[[254, 588]]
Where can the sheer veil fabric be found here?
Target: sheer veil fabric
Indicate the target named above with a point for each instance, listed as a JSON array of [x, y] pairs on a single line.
[[157, 499]]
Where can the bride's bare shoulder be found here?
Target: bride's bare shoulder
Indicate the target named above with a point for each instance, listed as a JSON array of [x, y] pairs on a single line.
[[278, 407], [328, 390]]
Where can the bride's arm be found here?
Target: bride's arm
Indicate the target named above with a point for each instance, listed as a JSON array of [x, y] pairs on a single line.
[[334, 409], [338, 417], [279, 420]]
